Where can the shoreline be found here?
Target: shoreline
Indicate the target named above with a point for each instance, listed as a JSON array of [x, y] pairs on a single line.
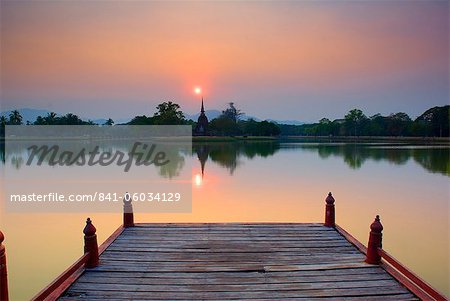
[[357, 139], [433, 140]]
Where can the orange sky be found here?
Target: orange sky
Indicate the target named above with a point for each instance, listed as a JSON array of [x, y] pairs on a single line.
[[281, 60]]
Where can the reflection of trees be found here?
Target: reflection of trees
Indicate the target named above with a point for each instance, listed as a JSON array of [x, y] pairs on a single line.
[[227, 154], [432, 159], [2, 152], [16, 161], [17, 151], [356, 154], [175, 165]]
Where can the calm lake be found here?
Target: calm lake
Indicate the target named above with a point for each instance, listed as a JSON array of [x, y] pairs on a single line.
[[406, 184]]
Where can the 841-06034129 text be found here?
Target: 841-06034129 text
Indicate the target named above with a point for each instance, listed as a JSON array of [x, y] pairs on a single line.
[[98, 197]]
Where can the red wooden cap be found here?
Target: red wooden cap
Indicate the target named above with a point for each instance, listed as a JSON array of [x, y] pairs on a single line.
[[89, 230], [2, 237], [329, 199], [376, 226]]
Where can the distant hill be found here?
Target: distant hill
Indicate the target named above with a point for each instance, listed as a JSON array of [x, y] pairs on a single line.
[[288, 122]]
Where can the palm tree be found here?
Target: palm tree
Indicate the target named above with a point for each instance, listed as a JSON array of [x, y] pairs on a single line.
[[109, 122], [3, 121], [15, 118], [51, 117]]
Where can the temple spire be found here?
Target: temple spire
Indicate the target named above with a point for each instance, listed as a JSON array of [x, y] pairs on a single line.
[[202, 122]]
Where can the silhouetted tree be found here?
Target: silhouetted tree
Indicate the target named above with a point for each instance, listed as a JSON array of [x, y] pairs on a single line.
[[141, 120], [168, 113], [232, 113], [50, 118], [3, 121], [224, 126], [354, 119], [435, 121], [15, 118], [109, 122], [397, 124]]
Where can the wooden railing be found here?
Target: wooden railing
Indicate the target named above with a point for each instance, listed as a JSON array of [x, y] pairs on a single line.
[[408, 278], [90, 259], [376, 255], [57, 287], [3, 271]]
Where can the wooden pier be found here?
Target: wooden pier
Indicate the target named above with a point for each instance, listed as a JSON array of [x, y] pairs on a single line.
[[236, 261]]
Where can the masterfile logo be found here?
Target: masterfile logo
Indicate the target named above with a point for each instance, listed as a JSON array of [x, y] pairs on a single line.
[[91, 168]]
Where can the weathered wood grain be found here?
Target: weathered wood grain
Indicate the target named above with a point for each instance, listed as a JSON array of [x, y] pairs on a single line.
[[239, 261]]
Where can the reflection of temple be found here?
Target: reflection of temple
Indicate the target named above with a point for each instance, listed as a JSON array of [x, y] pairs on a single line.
[[202, 123], [202, 154], [227, 154]]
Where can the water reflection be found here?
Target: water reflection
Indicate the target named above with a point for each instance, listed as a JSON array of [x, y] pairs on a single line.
[[227, 154], [435, 159], [18, 152]]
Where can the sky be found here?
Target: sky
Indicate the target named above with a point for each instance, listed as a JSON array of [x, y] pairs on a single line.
[[299, 60]]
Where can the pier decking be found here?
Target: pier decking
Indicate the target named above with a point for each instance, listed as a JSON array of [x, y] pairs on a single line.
[[232, 261], [275, 261]]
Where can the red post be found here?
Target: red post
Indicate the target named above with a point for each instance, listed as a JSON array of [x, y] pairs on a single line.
[[128, 218], [329, 211], [3, 272], [375, 240], [90, 244]]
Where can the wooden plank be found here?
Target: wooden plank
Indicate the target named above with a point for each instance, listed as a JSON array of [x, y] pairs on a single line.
[[83, 286], [231, 229], [364, 270], [221, 257], [301, 251], [351, 239], [230, 295], [392, 297], [242, 268], [116, 234], [228, 245], [228, 225], [225, 260], [261, 279], [287, 232], [257, 236], [241, 261]]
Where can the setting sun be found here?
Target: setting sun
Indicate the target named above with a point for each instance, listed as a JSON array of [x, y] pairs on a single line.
[[271, 149]]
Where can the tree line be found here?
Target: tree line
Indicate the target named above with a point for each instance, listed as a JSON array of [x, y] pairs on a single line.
[[15, 118], [432, 123], [229, 123]]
